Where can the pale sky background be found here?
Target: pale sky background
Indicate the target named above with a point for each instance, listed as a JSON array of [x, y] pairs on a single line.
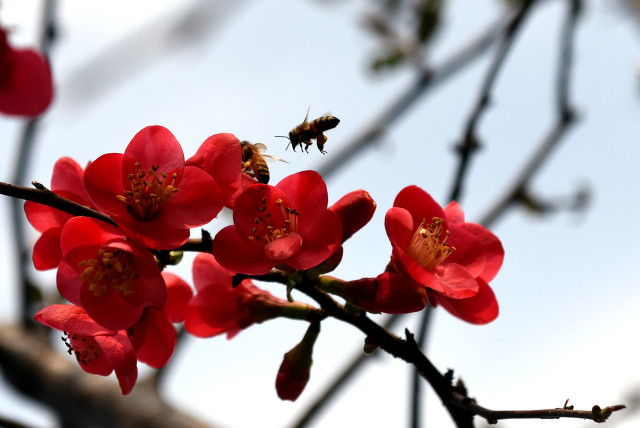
[[569, 289]]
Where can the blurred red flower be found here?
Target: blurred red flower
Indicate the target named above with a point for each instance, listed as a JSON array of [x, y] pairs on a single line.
[[150, 193], [286, 224], [26, 87], [98, 350], [66, 181], [112, 278]]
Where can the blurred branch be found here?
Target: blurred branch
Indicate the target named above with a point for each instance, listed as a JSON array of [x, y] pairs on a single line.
[[565, 117], [465, 149], [427, 79], [36, 370], [156, 41], [25, 147], [470, 140]]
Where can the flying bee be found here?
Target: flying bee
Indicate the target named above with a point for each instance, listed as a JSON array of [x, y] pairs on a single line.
[[254, 162], [307, 131]]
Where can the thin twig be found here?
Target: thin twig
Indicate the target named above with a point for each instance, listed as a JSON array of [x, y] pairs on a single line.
[[44, 196]]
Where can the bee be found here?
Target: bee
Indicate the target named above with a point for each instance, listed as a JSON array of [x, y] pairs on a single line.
[[307, 131], [254, 162]]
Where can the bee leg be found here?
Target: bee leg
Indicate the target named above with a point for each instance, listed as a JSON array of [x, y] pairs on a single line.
[[320, 141]]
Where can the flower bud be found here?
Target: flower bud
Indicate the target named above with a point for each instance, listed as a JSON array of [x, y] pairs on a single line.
[[355, 209], [296, 365]]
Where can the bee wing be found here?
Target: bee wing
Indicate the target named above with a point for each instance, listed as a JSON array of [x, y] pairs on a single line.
[[260, 147], [307, 115], [275, 158]]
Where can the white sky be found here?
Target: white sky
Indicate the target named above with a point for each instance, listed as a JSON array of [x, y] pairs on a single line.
[[568, 290]]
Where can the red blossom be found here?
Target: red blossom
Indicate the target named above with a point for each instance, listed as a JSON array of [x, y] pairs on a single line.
[[66, 181], [112, 278], [286, 224], [154, 336], [98, 350], [26, 87], [150, 193], [437, 248], [220, 156], [219, 308]]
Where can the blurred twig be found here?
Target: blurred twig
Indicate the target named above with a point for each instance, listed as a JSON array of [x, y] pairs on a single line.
[[426, 80], [466, 148], [565, 117], [27, 141]]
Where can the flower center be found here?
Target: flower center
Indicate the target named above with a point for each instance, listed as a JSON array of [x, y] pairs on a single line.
[[84, 347], [149, 191], [109, 269], [266, 231], [429, 245]]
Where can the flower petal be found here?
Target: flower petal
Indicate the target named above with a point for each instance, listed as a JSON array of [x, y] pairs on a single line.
[[481, 308]]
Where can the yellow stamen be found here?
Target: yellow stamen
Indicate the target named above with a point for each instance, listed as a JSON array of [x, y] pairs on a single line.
[[149, 191], [109, 269], [429, 245], [265, 231]]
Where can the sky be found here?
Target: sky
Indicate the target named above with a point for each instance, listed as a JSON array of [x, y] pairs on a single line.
[[568, 289]]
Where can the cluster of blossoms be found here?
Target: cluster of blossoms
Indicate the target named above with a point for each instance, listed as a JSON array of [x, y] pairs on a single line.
[[123, 304]]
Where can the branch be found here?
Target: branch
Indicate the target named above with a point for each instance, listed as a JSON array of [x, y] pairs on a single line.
[[461, 407], [44, 196]]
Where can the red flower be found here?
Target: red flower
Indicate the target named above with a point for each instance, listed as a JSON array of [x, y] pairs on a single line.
[[153, 336], [220, 156], [286, 224], [150, 193], [98, 350], [112, 278], [219, 308], [66, 181], [26, 88], [437, 248]]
